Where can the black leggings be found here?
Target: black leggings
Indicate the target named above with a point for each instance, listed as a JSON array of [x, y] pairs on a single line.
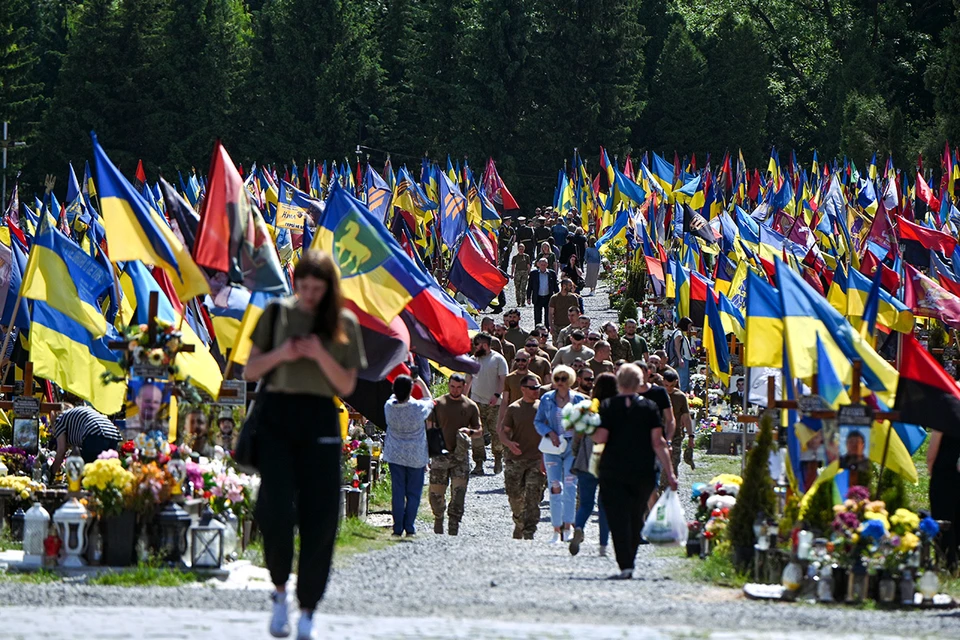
[[625, 504], [945, 505], [299, 455]]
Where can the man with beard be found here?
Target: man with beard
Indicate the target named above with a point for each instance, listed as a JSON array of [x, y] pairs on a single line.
[[515, 335], [511, 386], [486, 388], [585, 379], [509, 351], [637, 343], [539, 365]]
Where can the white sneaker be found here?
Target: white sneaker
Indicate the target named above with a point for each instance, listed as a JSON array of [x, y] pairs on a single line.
[[305, 627], [280, 620], [556, 538], [567, 535]]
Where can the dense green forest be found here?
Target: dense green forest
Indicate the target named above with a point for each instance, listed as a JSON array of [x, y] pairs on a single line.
[[525, 81]]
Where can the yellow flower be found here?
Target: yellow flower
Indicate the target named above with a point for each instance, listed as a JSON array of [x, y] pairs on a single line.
[[906, 519], [909, 542], [595, 405], [24, 494], [727, 478], [855, 538], [876, 506]]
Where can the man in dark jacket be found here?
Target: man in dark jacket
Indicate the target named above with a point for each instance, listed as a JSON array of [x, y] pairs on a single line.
[[541, 285]]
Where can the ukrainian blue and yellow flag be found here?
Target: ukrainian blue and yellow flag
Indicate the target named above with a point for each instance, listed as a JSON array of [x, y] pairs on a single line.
[[888, 311], [662, 173], [136, 232], [731, 318], [374, 272], [682, 291], [764, 324], [64, 276], [806, 313], [65, 353], [240, 352], [715, 341], [199, 366]]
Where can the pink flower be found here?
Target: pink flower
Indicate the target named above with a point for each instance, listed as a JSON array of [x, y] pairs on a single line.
[[109, 454], [235, 496]]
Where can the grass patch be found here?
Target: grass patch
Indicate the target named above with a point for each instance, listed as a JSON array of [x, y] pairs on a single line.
[[36, 577], [919, 494], [7, 543], [717, 568], [710, 466], [144, 575], [381, 493], [951, 585], [440, 384], [356, 536]]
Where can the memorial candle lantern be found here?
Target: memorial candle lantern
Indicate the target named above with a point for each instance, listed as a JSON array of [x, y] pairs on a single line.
[[73, 468], [72, 520]]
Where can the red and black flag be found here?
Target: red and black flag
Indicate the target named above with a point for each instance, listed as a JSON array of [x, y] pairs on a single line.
[[926, 394]]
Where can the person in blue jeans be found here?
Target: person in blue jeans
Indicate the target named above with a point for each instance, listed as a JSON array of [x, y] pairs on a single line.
[[405, 450], [587, 483], [559, 466]]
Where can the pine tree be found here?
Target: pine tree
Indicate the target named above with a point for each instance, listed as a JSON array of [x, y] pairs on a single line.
[[680, 118], [19, 94], [943, 80], [756, 496], [737, 89]]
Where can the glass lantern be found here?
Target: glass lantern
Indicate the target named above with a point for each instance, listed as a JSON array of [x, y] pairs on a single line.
[[34, 530], [908, 588], [825, 585], [178, 471], [170, 527], [206, 545], [73, 468], [16, 524], [72, 519], [928, 585], [231, 537]]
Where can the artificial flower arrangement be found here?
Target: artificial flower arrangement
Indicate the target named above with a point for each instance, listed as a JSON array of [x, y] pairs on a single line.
[[583, 417], [161, 352], [111, 486], [349, 451], [718, 495], [17, 460], [863, 528], [23, 487], [695, 402]]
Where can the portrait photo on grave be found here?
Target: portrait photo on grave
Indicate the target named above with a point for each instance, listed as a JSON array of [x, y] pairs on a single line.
[[148, 407], [854, 445], [26, 434]]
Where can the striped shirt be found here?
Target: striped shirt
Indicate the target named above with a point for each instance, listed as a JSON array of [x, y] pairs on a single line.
[[80, 422]]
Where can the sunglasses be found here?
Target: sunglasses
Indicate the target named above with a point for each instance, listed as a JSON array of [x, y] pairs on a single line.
[[519, 360], [586, 379], [532, 345], [532, 387], [561, 379]]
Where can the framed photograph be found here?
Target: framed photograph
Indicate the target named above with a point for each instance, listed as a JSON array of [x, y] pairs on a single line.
[[26, 434], [148, 407], [854, 445]]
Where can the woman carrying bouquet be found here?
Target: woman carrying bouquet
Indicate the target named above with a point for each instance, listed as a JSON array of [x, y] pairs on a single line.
[[587, 483], [307, 348], [632, 430], [558, 454]]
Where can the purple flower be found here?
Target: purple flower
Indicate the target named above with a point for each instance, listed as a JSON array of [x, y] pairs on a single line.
[[846, 520], [858, 493]]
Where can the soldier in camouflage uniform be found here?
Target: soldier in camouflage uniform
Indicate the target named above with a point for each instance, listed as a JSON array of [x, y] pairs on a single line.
[[459, 419], [523, 477], [520, 270]]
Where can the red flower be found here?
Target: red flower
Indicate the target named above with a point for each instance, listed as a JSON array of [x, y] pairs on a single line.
[[173, 450], [206, 495], [163, 459], [128, 447]]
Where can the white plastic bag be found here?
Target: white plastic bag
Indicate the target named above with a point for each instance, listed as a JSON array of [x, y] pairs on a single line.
[[666, 524]]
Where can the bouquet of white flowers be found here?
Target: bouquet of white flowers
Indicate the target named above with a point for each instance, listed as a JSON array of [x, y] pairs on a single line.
[[582, 417]]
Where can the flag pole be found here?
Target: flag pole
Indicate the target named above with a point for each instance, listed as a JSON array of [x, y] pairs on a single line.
[[6, 338], [886, 444]]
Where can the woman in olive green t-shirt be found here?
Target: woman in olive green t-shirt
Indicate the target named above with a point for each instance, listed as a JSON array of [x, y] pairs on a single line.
[[307, 349]]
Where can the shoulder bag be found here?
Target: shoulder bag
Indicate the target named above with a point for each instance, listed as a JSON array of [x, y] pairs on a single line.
[[436, 444], [246, 454]]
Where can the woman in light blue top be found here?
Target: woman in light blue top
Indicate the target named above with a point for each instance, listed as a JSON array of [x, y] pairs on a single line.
[[560, 476], [405, 449], [591, 258]]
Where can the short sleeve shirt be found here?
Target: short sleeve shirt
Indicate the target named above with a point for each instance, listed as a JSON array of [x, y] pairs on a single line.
[[519, 420], [484, 383], [522, 263], [512, 384], [304, 375], [628, 455], [659, 396], [452, 415]]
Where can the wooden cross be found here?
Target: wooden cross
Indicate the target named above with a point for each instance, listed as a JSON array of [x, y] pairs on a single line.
[[152, 310], [28, 389], [855, 398]]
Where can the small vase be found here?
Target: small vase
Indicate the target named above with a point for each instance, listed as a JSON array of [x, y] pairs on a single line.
[[119, 536], [887, 590]]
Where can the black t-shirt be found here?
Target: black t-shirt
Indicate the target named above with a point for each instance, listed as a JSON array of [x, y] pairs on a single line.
[[628, 456], [659, 396]]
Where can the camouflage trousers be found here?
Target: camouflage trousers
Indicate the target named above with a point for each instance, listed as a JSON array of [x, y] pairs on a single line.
[[451, 470], [676, 452], [488, 418], [524, 483], [520, 286]]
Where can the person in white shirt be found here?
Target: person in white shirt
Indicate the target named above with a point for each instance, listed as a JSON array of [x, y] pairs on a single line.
[[486, 388]]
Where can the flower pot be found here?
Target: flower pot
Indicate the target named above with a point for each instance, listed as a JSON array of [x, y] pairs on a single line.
[[742, 557], [119, 538], [840, 584], [357, 502], [693, 547]]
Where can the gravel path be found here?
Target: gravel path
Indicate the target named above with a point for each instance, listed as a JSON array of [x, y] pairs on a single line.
[[484, 575]]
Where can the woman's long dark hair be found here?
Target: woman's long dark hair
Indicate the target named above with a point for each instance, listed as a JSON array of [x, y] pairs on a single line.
[[320, 265], [605, 386]]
